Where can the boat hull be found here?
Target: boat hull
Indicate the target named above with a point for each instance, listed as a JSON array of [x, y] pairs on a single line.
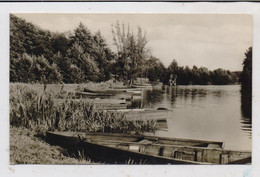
[[106, 154], [115, 148], [119, 156]]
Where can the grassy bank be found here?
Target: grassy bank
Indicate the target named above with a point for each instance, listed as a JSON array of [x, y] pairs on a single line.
[[34, 111], [27, 147], [37, 110]]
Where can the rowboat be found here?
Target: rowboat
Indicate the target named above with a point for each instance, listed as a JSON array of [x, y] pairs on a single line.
[[119, 148], [92, 94], [105, 104], [160, 115], [145, 114], [114, 91], [124, 95], [146, 86], [134, 91], [116, 105]]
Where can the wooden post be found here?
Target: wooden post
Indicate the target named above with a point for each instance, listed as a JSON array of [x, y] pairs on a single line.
[[142, 98], [170, 91]]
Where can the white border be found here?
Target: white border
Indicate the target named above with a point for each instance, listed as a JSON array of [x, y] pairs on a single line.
[[124, 170]]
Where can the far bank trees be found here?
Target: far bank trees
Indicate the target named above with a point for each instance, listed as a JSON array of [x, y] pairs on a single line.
[[201, 76]]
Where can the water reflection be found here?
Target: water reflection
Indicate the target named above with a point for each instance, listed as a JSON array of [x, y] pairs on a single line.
[[150, 97], [185, 93], [206, 112], [246, 109]]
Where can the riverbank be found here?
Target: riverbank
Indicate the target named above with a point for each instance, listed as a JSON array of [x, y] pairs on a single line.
[[33, 111], [29, 147], [56, 88]]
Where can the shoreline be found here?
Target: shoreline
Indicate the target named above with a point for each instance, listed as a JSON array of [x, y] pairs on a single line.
[[28, 147]]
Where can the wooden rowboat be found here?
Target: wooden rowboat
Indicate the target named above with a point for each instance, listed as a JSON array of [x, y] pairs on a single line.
[[145, 114], [93, 94], [146, 86], [129, 95], [118, 148], [96, 101], [114, 91], [105, 104]]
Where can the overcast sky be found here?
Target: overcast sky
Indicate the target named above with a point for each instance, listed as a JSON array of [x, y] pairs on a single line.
[[212, 41]]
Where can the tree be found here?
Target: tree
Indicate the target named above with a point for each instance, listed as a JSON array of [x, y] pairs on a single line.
[[204, 76], [28, 38], [155, 69], [172, 70], [20, 68], [82, 61], [246, 75], [95, 52], [221, 77], [83, 37], [103, 56], [188, 75], [234, 77], [131, 52], [76, 57], [246, 85], [173, 67], [33, 69], [59, 43]]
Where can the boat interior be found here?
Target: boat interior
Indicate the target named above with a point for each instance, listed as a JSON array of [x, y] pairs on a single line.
[[193, 152], [180, 150]]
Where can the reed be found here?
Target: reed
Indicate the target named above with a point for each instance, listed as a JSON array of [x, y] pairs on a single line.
[[34, 109]]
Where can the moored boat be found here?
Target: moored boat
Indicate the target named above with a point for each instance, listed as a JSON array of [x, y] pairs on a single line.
[[114, 91], [145, 114], [118, 148], [105, 104], [146, 86], [126, 94], [82, 94]]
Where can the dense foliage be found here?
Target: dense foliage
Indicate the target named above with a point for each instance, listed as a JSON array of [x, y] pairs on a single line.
[[246, 85], [246, 75], [201, 76], [40, 56], [132, 53]]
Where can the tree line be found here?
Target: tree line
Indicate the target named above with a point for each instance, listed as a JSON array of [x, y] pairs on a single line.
[[41, 56], [202, 76]]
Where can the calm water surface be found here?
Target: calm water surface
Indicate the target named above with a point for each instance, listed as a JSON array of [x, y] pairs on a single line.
[[204, 112]]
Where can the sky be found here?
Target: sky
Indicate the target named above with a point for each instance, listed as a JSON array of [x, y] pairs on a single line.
[[209, 40]]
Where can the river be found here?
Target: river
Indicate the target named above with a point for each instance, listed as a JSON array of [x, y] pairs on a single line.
[[204, 112]]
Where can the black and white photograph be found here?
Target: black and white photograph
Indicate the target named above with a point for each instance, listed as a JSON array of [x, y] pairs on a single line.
[[130, 88]]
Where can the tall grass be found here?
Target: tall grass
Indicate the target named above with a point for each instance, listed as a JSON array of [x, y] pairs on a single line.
[[37, 110]]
